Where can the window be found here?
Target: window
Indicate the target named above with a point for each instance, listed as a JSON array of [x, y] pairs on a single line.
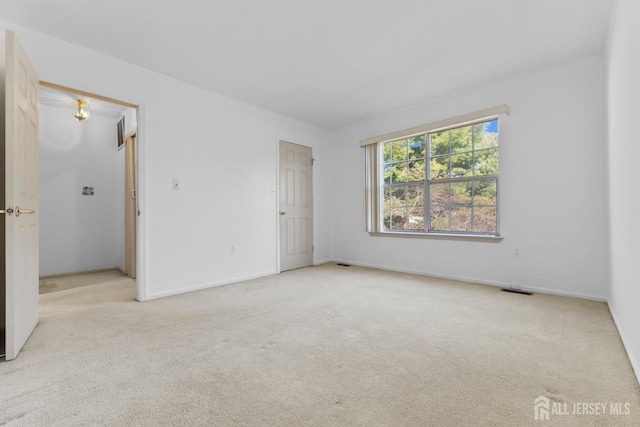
[[443, 180], [404, 172]]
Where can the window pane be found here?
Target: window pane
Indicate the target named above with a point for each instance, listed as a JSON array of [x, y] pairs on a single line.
[[386, 197], [484, 192], [461, 139], [485, 219], [461, 219], [416, 219], [461, 165], [394, 196], [401, 172], [415, 195], [486, 162], [386, 152], [399, 150], [416, 170], [386, 218], [485, 135], [439, 193], [439, 143], [395, 172], [398, 219], [388, 171], [439, 218], [440, 167], [398, 196], [461, 193], [416, 147]]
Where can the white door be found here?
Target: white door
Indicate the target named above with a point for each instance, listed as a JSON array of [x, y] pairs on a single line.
[[296, 206], [21, 195]]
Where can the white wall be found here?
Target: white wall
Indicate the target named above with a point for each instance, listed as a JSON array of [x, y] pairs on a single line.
[[624, 151], [552, 187], [223, 151], [79, 233]]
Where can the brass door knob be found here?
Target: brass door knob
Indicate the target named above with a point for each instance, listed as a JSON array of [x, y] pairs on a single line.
[[23, 211]]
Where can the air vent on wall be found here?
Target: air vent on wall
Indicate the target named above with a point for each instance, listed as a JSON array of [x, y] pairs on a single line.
[[516, 291]]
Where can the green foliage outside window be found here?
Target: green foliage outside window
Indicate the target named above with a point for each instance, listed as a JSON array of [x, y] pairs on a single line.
[[462, 182]]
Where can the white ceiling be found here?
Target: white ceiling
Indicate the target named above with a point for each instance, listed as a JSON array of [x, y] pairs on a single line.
[[327, 62], [62, 99]]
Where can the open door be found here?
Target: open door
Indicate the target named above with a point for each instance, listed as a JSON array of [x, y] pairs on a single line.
[[130, 206], [296, 206], [20, 174]]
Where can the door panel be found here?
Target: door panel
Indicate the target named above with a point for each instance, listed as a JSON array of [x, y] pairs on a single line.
[[304, 236], [296, 206], [290, 232], [21, 195]]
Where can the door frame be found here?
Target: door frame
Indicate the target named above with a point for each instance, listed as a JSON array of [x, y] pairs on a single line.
[[130, 239], [141, 173], [275, 192]]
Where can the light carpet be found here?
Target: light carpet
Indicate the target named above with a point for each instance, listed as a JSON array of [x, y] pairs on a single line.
[[321, 346], [60, 283]]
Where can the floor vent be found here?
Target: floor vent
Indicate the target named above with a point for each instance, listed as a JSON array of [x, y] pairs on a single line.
[[516, 291], [343, 265]]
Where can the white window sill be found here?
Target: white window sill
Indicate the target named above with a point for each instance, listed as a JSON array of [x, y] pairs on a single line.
[[441, 236]]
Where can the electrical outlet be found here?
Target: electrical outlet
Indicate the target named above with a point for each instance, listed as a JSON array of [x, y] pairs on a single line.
[[234, 249], [516, 251]]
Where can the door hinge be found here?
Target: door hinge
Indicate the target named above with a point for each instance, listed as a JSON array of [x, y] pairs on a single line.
[[313, 161], [313, 248]]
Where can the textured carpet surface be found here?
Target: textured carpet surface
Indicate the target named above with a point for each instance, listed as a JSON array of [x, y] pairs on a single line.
[[321, 346], [61, 283]]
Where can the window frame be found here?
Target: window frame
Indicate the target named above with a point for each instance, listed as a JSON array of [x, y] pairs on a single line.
[[374, 211]]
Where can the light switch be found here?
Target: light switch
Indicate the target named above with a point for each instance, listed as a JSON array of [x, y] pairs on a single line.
[[176, 184]]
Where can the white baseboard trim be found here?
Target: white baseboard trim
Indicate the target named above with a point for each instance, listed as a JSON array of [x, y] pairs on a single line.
[[478, 281], [200, 287], [78, 273], [632, 359], [323, 261]]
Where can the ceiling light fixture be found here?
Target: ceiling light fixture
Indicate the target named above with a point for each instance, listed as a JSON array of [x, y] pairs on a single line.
[[80, 110]]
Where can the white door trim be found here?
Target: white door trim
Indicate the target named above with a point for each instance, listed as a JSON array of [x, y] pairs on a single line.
[[141, 197], [277, 195]]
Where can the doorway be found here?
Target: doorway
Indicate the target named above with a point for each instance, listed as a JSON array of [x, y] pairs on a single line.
[[88, 166], [296, 206], [19, 166]]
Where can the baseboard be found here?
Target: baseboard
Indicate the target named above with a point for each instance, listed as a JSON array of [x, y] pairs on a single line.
[[478, 281], [323, 261], [203, 286], [632, 359], [77, 273]]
